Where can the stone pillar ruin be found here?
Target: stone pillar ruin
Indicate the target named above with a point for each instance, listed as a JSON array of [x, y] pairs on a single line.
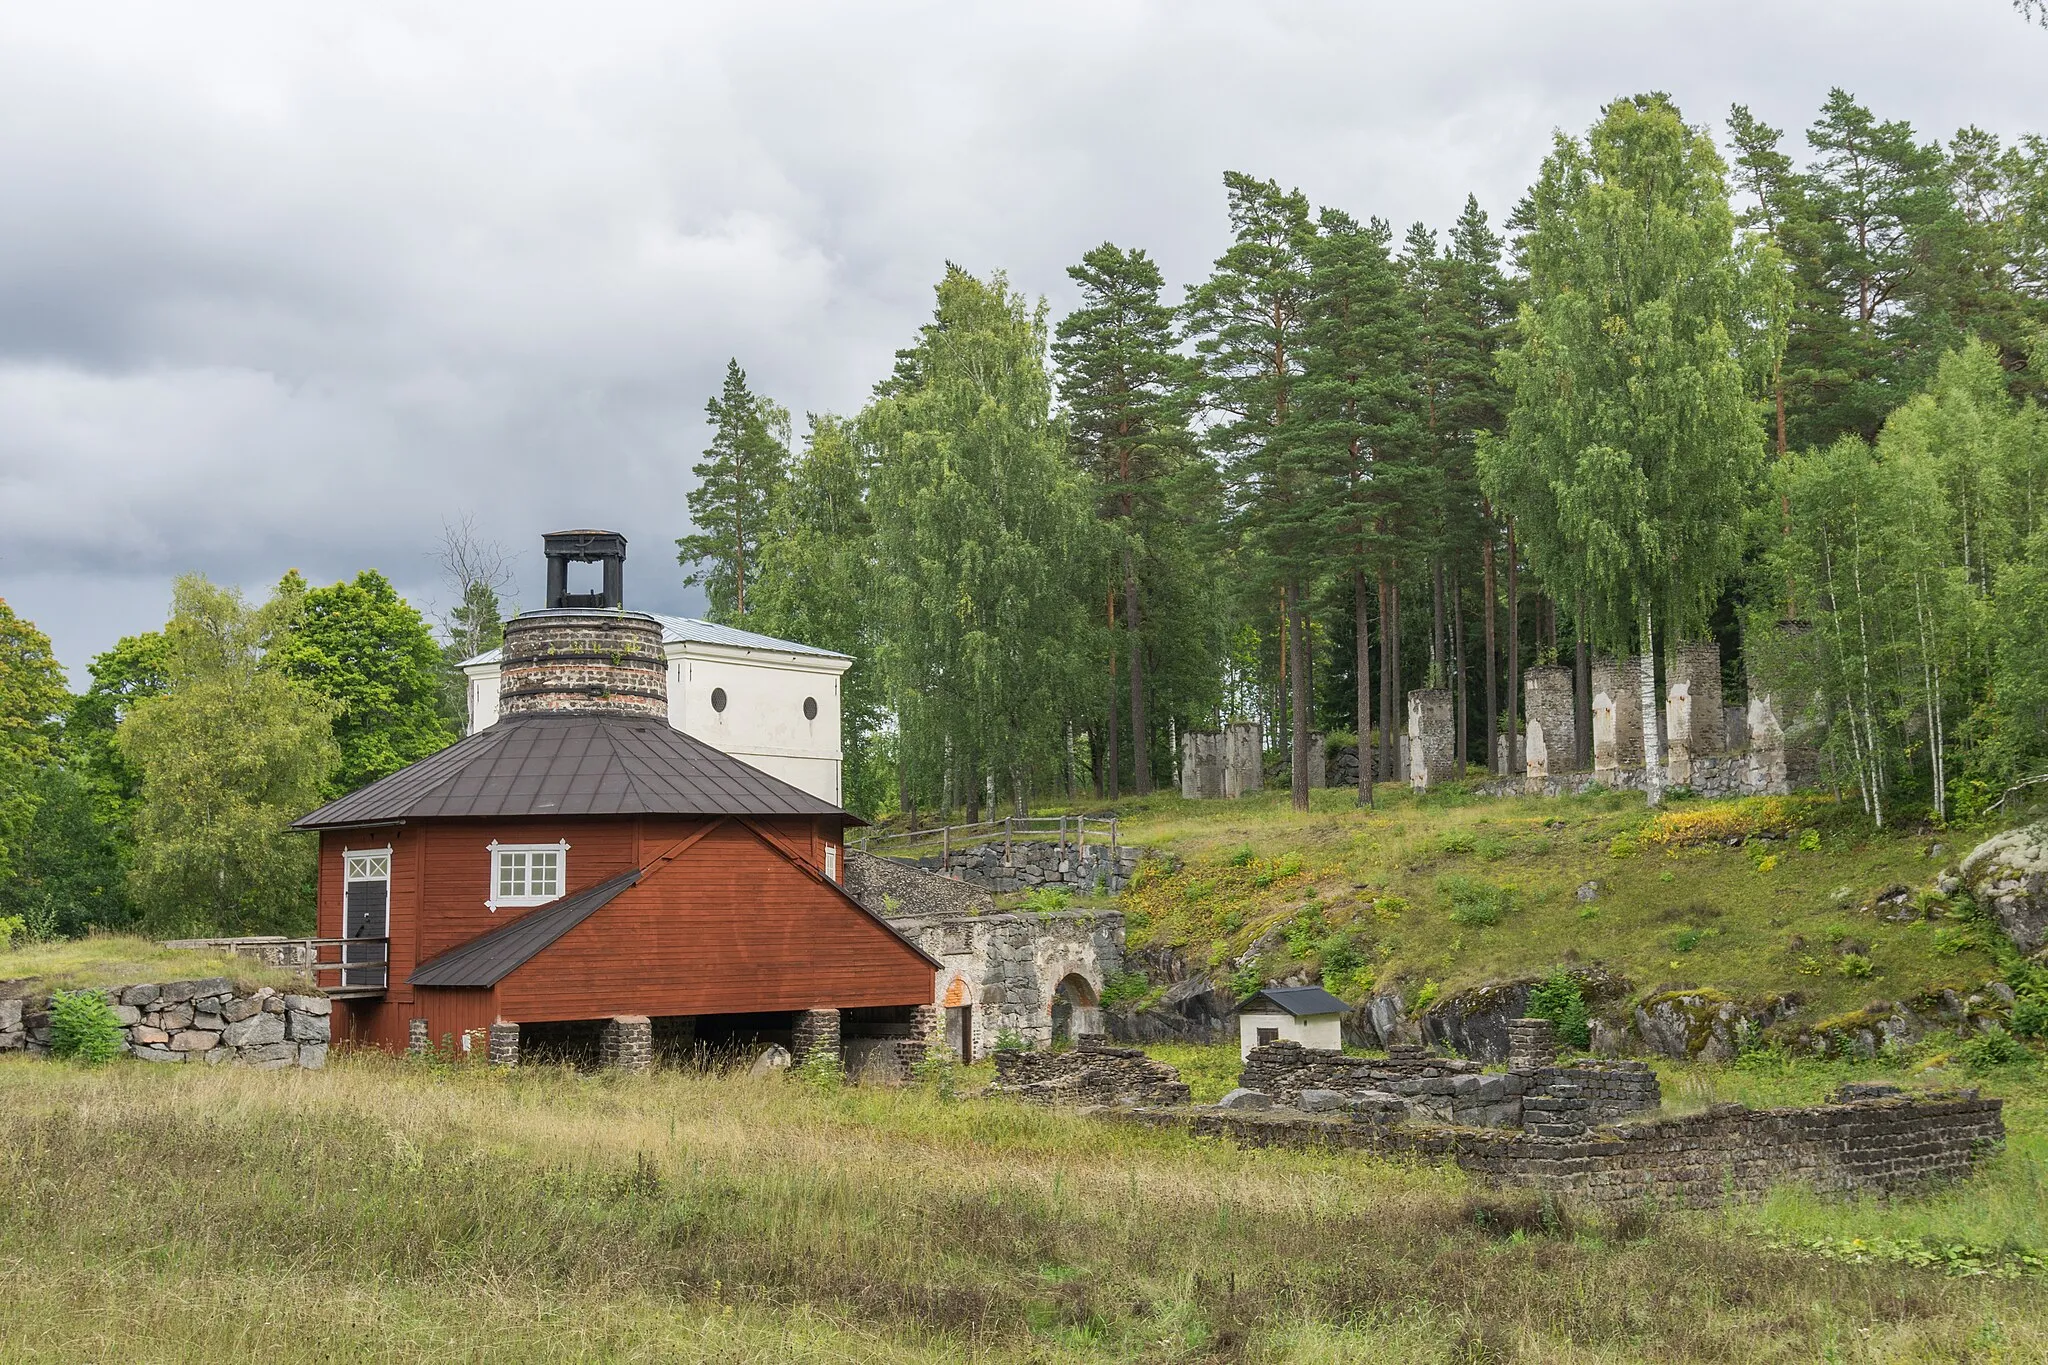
[[1616, 680], [417, 1040], [626, 1043], [1693, 726], [1201, 765], [1432, 738], [1548, 700], [1244, 757], [1768, 772], [815, 1031], [1536, 756], [1532, 1044], [1318, 759], [503, 1046]]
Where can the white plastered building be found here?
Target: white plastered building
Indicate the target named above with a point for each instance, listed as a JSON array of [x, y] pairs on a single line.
[[1308, 1015], [768, 702]]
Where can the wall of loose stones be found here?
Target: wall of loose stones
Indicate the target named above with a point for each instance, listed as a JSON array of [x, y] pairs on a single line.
[[1096, 869], [206, 1020]]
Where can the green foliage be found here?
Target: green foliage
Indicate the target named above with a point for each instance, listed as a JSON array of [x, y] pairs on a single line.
[[31, 698], [1993, 1049], [1244, 856], [371, 656], [12, 927], [1247, 980], [1125, 990], [83, 1027], [1347, 971], [821, 1070], [1426, 997], [1475, 903], [1561, 999], [737, 481], [1009, 1040], [1809, 841], [230, 754], [70, 871], [1305, 931], [1046, 900], [2030, 1016]]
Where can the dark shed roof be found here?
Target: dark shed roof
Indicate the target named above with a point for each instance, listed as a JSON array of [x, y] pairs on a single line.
[[572, 765], [490, 958], [1299, 1001]]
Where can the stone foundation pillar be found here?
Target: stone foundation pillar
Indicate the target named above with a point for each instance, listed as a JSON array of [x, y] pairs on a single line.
[[417, 1039], [1548, 700], [1201, 765], [1532, 1044], [504, 1044], [1768, 773], [627, 1043], [1697, 669], [1318, 759], [1244, 758], [1536, 760], [1617, 714], [815, 1031], [1432, 738]]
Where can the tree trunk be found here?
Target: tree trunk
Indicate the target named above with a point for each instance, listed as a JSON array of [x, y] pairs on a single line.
[[1514, 724], [1438, 676], [1141, 750], [1582, 691], [903, 800], [1115, 757], [1360, 614], [1489, 591], [1387, 770], [1646, 689], [1458, 667], [1299, 700], [1397, 702]]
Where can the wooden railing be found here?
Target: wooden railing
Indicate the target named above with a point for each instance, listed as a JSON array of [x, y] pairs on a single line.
[[1065, 830], [356, 975]]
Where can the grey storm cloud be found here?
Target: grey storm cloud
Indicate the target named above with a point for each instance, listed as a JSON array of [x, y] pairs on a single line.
[[286, 285]]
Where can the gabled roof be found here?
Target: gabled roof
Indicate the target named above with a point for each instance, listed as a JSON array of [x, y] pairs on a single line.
[[490, 958], [677, 630], [543, 764], [1299, 1001]]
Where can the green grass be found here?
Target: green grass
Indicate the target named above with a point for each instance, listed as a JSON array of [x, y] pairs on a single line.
[[1462, 889], [385, 1210], [124, 960]]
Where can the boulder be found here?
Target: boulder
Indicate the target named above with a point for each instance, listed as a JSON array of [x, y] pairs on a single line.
[[2008, 874], [238, 1009], [309, 1004], [194, 1040], [773, 1058], [270, 1056], [312, 1056], [1245, 1099], [142, 1035], [141, 997], [125, 1015], [10, 1015], [157, 1054], [1703, 1023], [1318, 1101], [258, 1030], [306, 1028], [178, 992]]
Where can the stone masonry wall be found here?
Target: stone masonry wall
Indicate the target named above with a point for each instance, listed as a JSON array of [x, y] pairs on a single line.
[[1008, 967], [1714, 775], [585, 663], [1862, 1143], [1091, 1074], [1455, 1091], [193, 1021], [1096, 869]]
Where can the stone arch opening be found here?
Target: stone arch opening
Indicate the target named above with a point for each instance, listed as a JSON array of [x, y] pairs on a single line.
[[956, 1007], [1076, 1008]]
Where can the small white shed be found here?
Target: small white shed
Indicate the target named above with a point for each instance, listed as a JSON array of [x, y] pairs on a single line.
[[1308, 1015]]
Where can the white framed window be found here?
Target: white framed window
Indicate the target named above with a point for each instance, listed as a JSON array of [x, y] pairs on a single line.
[[832, 862], [527, 874], [369, 865]]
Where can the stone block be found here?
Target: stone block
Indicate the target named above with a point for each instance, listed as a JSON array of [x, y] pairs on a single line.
[[127, 1015], [212, 1023], [627, 1043], [1549, 699], [153, 1053], [815, 1031], [1245, 1099], [258, 1030], [312, 1056], [1617, 715], [194, 1040], [503, 1046], [178, 992], [1320, 1101], [417, 1040], [269, 1056], [240, 1008], [11, 1012], [309, 1004], [306, 1028], [144, 1035], [141, 997], [172, 1016]]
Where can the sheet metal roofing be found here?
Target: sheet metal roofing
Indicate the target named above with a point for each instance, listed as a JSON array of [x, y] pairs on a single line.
[[1299, 1001], [572, 765], [676, 630], [489, 959]]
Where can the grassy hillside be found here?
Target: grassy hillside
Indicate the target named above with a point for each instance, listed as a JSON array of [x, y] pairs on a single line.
[[123, 960], [390, 1210], [1758, 897]]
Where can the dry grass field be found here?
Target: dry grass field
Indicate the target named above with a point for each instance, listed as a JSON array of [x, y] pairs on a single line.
[[406, 1211]]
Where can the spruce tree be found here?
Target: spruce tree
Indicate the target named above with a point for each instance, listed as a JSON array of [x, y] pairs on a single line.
[[746, 462]]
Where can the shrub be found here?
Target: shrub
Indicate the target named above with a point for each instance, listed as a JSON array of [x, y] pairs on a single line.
[[1560, 999], [82, 1025], [821, 1070], [1458, 842], [1288, 866], [1124, 989], [1475, 903], [1993, 1048], [938, 1070], [1687, 940], [1009, 1040], [1623, 846], [1243, 856], [1426, 997], [12, 927], [1046, 900], [1246, 980], [1853, 965], [1305, 931], [1809, 841], [2030, 1016]]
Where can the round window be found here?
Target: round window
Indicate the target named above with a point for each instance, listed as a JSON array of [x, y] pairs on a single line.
[[810, 708], [718, 699]]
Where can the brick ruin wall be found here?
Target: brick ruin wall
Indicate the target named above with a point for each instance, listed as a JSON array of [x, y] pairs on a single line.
[[206, 1020], [584, 663]]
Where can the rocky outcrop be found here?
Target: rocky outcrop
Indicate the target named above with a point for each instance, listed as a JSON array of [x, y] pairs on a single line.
[[1192, 1010], [2008, 874], [1703, 1022], [206, 1020]]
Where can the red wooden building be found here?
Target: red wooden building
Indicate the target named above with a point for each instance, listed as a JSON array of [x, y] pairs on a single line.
[[582, 876]]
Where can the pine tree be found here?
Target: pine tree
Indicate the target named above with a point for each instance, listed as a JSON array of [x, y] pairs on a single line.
[[1248, 321], [746, 462], [1120, 384], [1633, 442]]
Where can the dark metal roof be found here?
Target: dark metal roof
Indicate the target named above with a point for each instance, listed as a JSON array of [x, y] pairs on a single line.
[[572, 765], [490, 958], [1299, 1001]]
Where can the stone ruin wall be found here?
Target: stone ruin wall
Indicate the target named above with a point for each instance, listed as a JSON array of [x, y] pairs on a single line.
[[206, 1020], [1226, 763], [1009, 967], [1090, 1074], [1096, 869]]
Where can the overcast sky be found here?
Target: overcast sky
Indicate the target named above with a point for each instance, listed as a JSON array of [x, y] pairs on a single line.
[[286, 285]]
